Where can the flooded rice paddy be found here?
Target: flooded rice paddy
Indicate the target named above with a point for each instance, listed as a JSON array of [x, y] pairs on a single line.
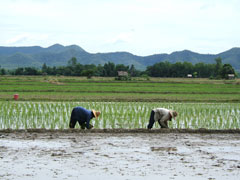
[[126, 115], [122, 156]]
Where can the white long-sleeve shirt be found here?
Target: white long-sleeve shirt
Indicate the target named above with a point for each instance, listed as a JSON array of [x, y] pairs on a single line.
[[162, 114]]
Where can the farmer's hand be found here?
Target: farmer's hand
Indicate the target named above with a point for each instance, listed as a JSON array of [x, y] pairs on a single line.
[[90, 126]]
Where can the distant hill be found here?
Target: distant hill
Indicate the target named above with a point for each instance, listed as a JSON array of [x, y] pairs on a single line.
[[58, 55]]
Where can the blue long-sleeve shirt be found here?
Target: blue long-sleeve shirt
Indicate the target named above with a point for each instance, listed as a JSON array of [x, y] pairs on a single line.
[[82, 115]]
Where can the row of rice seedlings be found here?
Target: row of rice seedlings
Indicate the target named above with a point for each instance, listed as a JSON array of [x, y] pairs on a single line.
[[56, 115], [210, 116]]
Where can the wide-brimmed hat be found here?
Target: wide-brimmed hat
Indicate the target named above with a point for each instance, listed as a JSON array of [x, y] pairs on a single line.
[[96, 113], [173, 114]]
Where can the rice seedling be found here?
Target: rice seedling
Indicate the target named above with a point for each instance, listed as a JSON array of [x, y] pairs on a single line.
[[128, 115]]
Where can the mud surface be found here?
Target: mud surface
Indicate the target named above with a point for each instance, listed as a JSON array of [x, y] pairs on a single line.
[[119, 155]]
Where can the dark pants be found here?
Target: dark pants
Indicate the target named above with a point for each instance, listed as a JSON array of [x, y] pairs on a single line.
[[151, 120], [73, 122]]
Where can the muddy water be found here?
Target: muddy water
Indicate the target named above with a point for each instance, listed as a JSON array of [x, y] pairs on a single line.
[[119, 156]]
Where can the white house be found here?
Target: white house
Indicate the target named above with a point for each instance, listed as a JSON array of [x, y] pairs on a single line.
[[231, 76]]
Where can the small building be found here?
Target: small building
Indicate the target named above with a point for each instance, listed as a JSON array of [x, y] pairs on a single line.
[[122, 75], [189, 75], [231, 76]]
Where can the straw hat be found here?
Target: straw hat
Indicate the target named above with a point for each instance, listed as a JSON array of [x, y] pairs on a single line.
[[96, 113], [173, 114]]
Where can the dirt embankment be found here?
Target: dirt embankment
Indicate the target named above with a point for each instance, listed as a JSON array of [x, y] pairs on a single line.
[[201, 130]]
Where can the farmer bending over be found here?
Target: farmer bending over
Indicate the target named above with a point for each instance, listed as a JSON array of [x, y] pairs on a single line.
[[83, 117], [161, 115]]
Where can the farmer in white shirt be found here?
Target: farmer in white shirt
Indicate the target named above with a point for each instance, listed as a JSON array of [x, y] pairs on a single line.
[[162, 116]]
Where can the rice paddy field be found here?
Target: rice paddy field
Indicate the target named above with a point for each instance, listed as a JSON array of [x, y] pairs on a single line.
[[36, 143], [126, 115], [46, 102]]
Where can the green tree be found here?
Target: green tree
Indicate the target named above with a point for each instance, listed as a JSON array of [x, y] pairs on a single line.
[[109, 69], [100, 70], [133, 71], [3, 71], [121, 67], [160, 69], [19, 71], [31, 71], [204, 70], [78, 69], [218, 67], [178, 70], [88, 72], [44, 68], [195, 74], [227, 69], [72, 62]]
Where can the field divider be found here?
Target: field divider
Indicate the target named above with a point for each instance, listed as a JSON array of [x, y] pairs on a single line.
[[119, 130]]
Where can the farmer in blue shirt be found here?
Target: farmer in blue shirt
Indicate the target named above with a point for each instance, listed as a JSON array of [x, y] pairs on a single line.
[[83, 117]]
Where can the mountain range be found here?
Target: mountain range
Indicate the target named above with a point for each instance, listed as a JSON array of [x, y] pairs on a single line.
[[59, 55]]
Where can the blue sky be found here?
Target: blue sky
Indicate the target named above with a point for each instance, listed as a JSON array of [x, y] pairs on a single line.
[[141, 27]]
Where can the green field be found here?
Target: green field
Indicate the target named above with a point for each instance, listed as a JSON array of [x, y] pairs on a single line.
[[46, 102], [106, 89]]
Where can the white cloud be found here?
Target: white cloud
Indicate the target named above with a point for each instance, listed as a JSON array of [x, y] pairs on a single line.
[[124, 37], [26, 38], [105, 25], [17, 39]]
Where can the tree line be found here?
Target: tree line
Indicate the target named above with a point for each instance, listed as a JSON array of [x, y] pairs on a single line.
[[201, 70], [161, 69]]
